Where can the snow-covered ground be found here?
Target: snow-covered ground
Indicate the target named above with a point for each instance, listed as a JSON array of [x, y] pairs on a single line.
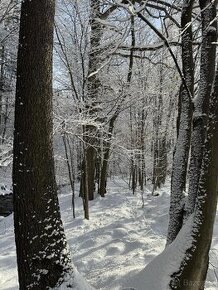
[[118, 241]]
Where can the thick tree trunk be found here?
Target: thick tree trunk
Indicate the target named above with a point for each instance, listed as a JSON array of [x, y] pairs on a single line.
[[207, 71], [181, 154], [42, 255], [203, 185], [193, 269]]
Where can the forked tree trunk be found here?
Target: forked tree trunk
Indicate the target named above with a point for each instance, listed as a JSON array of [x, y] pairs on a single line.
[[193, 267], [181, 154], [203, 186], [42, 255]]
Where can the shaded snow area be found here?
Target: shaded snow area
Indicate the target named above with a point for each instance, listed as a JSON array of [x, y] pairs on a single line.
[[164, 264], [114, 246]]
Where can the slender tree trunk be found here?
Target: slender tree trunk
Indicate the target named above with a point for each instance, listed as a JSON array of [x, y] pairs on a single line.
[[133, 181], [42, 255], [181, 154], [104, 168], [103, 176], [72, 157], [86, 191], [142, 174], [157, 149], [163, 160], [5, 121], [69, 168], [2, 90], [92, 101]]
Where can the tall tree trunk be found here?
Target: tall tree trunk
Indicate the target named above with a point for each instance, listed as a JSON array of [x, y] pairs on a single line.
[[133, 181], [193, 269], [207, 71], [42, 255], [157, 151], [69, 161], [163, 159], [142, 173], [203, 185], [181, 154], [92, 101], [104, 168], [2, 72]]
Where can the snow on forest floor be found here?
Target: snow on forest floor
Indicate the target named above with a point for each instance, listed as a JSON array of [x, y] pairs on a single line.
[[116, 243]]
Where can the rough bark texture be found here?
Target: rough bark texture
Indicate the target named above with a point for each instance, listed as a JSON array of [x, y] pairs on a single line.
[[92, 102], [180, 160], [203, 187], [42, 254], [207, 71], [193, 268]]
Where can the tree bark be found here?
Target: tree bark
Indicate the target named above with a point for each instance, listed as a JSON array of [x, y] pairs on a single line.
[[207, 72], [104, 168], [181, 154], [92, 101], [157, 147], [203, 188], [193, 270], [69, 161], [42, 255], [2, 72]]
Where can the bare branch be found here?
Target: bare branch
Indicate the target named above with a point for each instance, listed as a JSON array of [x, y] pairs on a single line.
[[159, 34]]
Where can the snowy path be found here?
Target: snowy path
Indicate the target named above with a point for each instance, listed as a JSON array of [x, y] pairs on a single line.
[[118, 241]]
